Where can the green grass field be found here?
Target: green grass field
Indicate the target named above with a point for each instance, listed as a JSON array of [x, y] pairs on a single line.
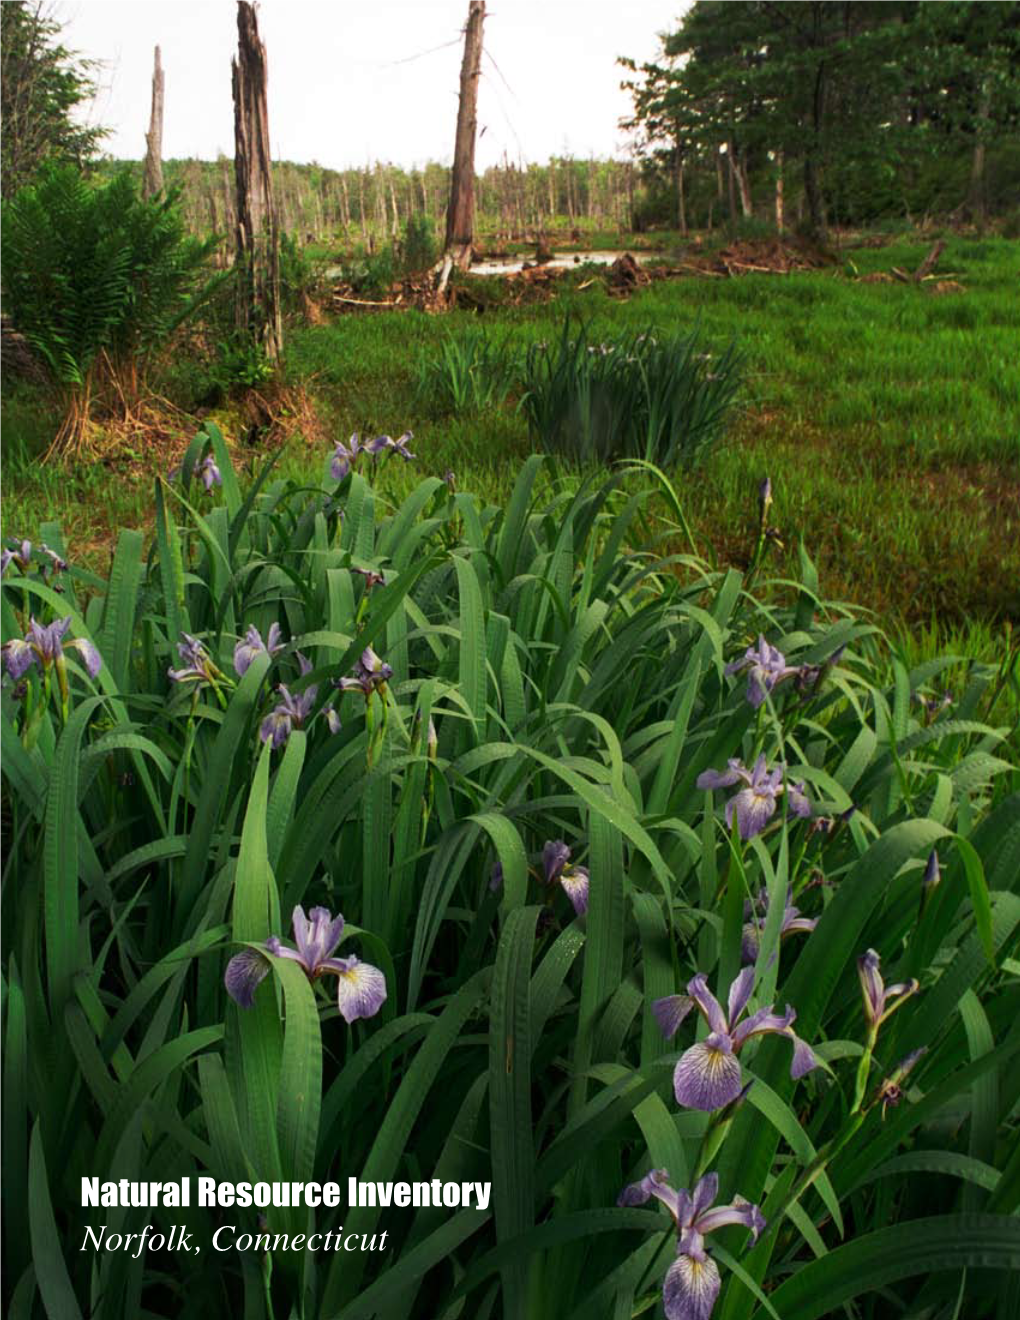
[[887, 415]]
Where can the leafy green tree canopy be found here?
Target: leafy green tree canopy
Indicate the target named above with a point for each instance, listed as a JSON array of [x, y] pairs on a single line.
[[41, 85]]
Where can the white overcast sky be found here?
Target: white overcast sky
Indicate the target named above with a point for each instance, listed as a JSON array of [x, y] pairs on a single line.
[[353, 82]]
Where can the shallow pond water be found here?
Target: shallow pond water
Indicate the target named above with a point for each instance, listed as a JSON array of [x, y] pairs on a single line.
[[562, 261]]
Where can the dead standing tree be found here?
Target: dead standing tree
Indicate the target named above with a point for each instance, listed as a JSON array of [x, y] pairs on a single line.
[[258, 254], [460, 217], [152, 179]]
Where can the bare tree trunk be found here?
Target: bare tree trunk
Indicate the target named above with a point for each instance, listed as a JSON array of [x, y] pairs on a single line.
[[214, 222], [731, 180], [743, 188], [461, 215], [152, 179], [780, 216], [258, 254], [396, 213], [813, 196], [681, 201], [229, 218], [345, 206], [976, 187], [813, 190]]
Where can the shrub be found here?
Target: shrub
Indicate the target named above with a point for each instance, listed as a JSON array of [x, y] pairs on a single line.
[[97, 279], [513, 818], [417, 249], [240, 363], [661, 397], [300, 276], [369, 273]]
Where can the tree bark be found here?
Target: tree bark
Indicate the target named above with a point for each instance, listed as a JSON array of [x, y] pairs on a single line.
[[152, 178], [780, 214], [743, 188], [976, 186], [813, 194], [812, 169], [460, 217], [258, 253], [681, 201]]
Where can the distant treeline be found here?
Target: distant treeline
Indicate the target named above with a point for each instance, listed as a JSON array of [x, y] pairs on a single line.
[[373, 204]]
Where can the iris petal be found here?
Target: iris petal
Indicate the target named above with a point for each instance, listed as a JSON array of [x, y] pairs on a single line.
[[705, 1191], [804, 1060], [245, 973], [19, 657], [555, 856], [740, 993], [655, 1183], [575, 885], [670, 1012], [361, 988], [706, 1078], [740, 1212], [690, 1288], [753, 811], [697, 988], [93, 661]]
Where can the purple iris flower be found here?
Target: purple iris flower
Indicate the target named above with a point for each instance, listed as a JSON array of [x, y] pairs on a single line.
[[57, 564], [21, 555], [764, 495], [246, 650], [198, 666], [766, 666], [796, 796], [383, 443], [692, 1282], [361, 990], [496, 878], [754, 926], [890, 1093], [43, 645], [292, 710], [209, 473], [708, 1074], [754, 805], [344, 457], [933, 706], [877, 994], [288, 714], [370, 674], [573, 880], [932, 873]]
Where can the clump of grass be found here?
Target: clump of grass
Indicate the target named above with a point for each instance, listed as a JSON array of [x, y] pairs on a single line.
[[471, 371], [661, 397]]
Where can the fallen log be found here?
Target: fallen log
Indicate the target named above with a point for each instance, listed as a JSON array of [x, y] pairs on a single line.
[[930, 262], [362, 302]]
